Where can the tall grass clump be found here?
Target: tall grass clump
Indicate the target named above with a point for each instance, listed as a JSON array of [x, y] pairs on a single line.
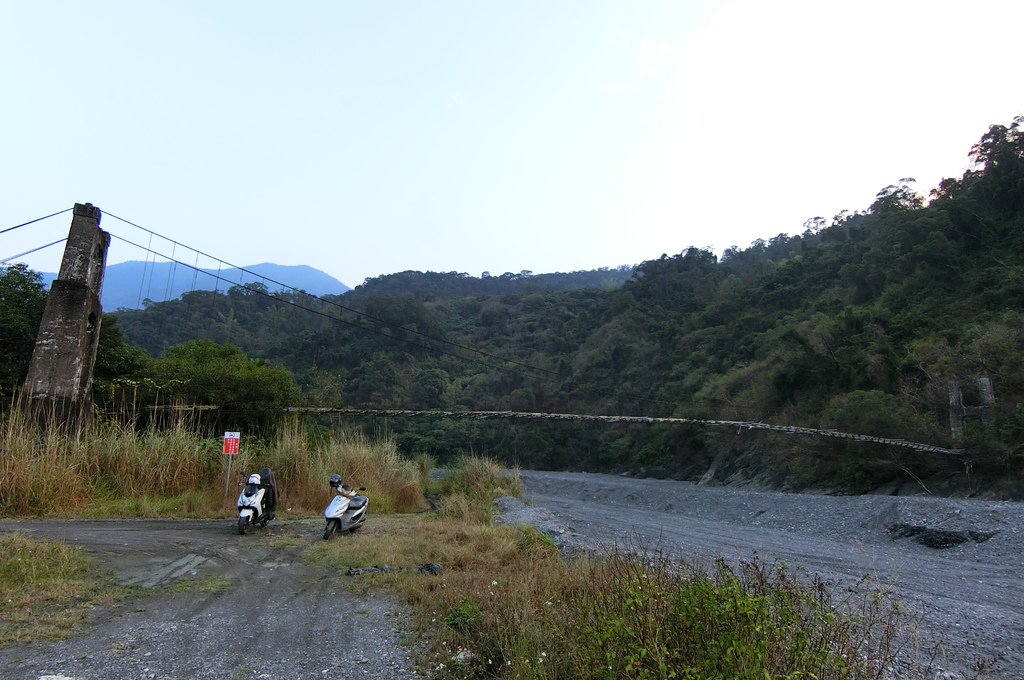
[[114, 470], [34, 471], [468, 487], [44, 472], [425, 463], [170, 461], [304, 463]]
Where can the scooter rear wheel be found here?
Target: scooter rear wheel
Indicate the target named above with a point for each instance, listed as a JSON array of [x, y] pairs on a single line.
[[243, 522], [329, 529]]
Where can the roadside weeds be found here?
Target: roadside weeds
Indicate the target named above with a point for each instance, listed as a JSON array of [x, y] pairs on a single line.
[[48, 589]]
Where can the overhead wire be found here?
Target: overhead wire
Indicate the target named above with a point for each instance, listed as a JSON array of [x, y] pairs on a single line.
[[38, 219], [170, 277], [196, 270], [360, 326], [341, 307], [535, 370], [25, 224], [34, 250], [145, 266], [150, 271]]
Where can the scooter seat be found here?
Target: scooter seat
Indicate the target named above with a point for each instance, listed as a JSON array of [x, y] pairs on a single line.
[[357, 502]]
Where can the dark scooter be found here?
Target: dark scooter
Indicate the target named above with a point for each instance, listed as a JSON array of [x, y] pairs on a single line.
[[258, 500]]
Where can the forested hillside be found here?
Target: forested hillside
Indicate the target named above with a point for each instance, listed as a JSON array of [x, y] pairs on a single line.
[[858, 324]]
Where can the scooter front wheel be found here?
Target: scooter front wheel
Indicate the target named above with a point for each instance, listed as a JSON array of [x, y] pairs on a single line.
[[329, 529], [243, 522]]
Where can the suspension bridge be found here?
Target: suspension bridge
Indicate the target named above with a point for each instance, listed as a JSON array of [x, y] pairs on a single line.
[[340, 313]]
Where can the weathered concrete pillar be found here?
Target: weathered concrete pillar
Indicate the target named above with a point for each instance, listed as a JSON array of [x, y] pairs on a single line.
[[58, 388], [980, 407]]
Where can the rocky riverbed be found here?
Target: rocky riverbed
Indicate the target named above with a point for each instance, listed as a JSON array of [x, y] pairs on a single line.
[[957, 564]]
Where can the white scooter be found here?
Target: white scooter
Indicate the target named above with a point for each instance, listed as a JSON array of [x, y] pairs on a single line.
[[347, 510], [258, 500]]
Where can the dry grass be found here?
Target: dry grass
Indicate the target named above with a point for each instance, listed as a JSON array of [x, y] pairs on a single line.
[[303, 465], [114, 471], [470, 486]]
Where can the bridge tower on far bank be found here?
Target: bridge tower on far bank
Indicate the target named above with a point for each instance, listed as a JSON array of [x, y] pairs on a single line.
[[58, 388], [980, 398]]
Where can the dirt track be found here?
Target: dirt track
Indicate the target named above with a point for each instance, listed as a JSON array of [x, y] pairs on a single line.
[[278, 619], [971, 595]]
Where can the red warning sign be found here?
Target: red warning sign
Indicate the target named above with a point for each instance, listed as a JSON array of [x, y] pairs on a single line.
[[231, 440]]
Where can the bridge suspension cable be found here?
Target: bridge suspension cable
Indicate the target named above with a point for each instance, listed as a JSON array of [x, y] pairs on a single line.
[[332, 303], [536, 371], [360, 326], [38, 219], [739, 425], [25, 224], [33, 250]]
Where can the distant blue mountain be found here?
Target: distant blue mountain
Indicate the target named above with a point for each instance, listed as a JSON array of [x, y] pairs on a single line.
[[128, 284]]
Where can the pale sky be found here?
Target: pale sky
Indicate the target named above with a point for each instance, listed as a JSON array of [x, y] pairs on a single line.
[[369, 138]]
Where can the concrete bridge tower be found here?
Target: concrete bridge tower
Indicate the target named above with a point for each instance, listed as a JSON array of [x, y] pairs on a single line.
[[58, 389]]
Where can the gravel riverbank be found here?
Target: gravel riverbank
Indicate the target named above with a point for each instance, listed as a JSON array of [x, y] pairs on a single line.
[[957, 563]]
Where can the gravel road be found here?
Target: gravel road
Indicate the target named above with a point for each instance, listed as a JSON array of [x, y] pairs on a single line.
[[277, 619], [970, 594]]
